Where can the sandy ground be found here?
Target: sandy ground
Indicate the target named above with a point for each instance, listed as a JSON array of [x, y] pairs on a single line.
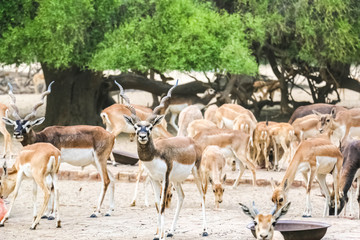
[[78, 200]]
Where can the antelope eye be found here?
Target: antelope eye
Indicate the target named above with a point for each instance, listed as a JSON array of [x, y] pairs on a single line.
[[255, 223], [327, 120], [274, 223], [223, 190], [281, 200], [213, 190]]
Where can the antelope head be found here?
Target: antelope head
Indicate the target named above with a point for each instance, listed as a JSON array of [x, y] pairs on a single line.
[[326, 120], [265, 223], [23, 126], [7, 182], [143, 128], [279, 196], [218, 190]]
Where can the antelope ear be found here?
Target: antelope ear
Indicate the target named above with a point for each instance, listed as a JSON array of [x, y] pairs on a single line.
[[37, 121], [8, 121], [333, 112], [224, 178], [129, 119], [4, 169], [273, 184], [157, 120], [286, 185], [247, 211], [282, 211], [210, 180]]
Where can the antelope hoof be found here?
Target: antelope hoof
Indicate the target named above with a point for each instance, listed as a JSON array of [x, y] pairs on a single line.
[[44, 217], [58, 225], [93, 215], [156, 238], [33, 227], [306, 216], [205, 234], [133, 204], [2, 225], [107, 215], [170, 235], [51, 218]]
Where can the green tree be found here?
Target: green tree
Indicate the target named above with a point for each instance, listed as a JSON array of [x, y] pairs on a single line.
[[75, 40]]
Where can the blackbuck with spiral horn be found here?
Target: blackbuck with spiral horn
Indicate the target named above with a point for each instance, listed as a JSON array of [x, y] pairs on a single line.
[[264, 224], [80, 145], [166, 160]]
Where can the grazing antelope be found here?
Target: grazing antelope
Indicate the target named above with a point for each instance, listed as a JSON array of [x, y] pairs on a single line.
[[282, 134], [244, 123], [226, 114], [166, 160], [37, 162], [212, 164], [80, 145], [261, 139], [322, 108], [350, 171], [306, 127], [265, 223], [314, 156], [187, 115], [209, 113], [7, 137], [342, 124], [199, 125], [234, 144], [177, 103]]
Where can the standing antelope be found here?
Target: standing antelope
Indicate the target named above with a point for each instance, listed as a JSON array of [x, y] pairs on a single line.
[[80, 145], [305, 127], [199, 125], [212, 164], [7, 138], [265, 223], [166, 160], [37, 161], [226, 114], [186, 116], [210, 112], [314, 156]]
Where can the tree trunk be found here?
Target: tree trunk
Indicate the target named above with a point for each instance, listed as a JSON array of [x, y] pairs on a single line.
[[77, 96]]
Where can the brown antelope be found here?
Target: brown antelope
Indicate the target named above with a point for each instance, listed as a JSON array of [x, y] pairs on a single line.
[[80, 145], [234, 144], [226, 114], [187, 115], [244, 123], [199, 125], [177, 103], [7, 138], [166, 160], [212, 164], [282, 134], [322, 108], [342, 124], [314, 156], [264, 224], [306, 127], [36, 161], [261, 139], [209, 113]]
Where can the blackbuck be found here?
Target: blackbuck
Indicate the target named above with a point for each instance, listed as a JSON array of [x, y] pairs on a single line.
[[234, 144], [7, 137], [350, 172], [264, 224], [313, 157], [209, 113], [186, 116], [199, 125], [306, 127], [80, 145], [341, 124], [322, 108], [166, 160], [212, 163], [226, 114], [36, 161]]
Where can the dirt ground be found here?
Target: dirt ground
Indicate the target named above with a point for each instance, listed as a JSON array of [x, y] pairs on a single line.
[[78, 200]]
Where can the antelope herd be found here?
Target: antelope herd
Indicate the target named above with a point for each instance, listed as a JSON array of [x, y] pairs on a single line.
[[319, 139]]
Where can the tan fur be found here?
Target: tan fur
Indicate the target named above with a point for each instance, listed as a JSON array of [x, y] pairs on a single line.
[[307, 152], [187, 115], [244, 123], [199, 125], [210, 113], [39, 82], [7, 137], [212, 164], [230, 112], [36, 158], [305, 125]]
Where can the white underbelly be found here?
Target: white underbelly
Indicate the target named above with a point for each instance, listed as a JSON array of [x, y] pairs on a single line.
[[180, 172], [354, 132], [325, 165], [78, 156], [156, 169], [228, 123], [310, 133], [303, 167]]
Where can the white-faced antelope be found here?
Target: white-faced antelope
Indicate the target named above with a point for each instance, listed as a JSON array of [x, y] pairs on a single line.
[[314, 156], [166, 160], [80, 145], [37, 162], [265, 223]]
